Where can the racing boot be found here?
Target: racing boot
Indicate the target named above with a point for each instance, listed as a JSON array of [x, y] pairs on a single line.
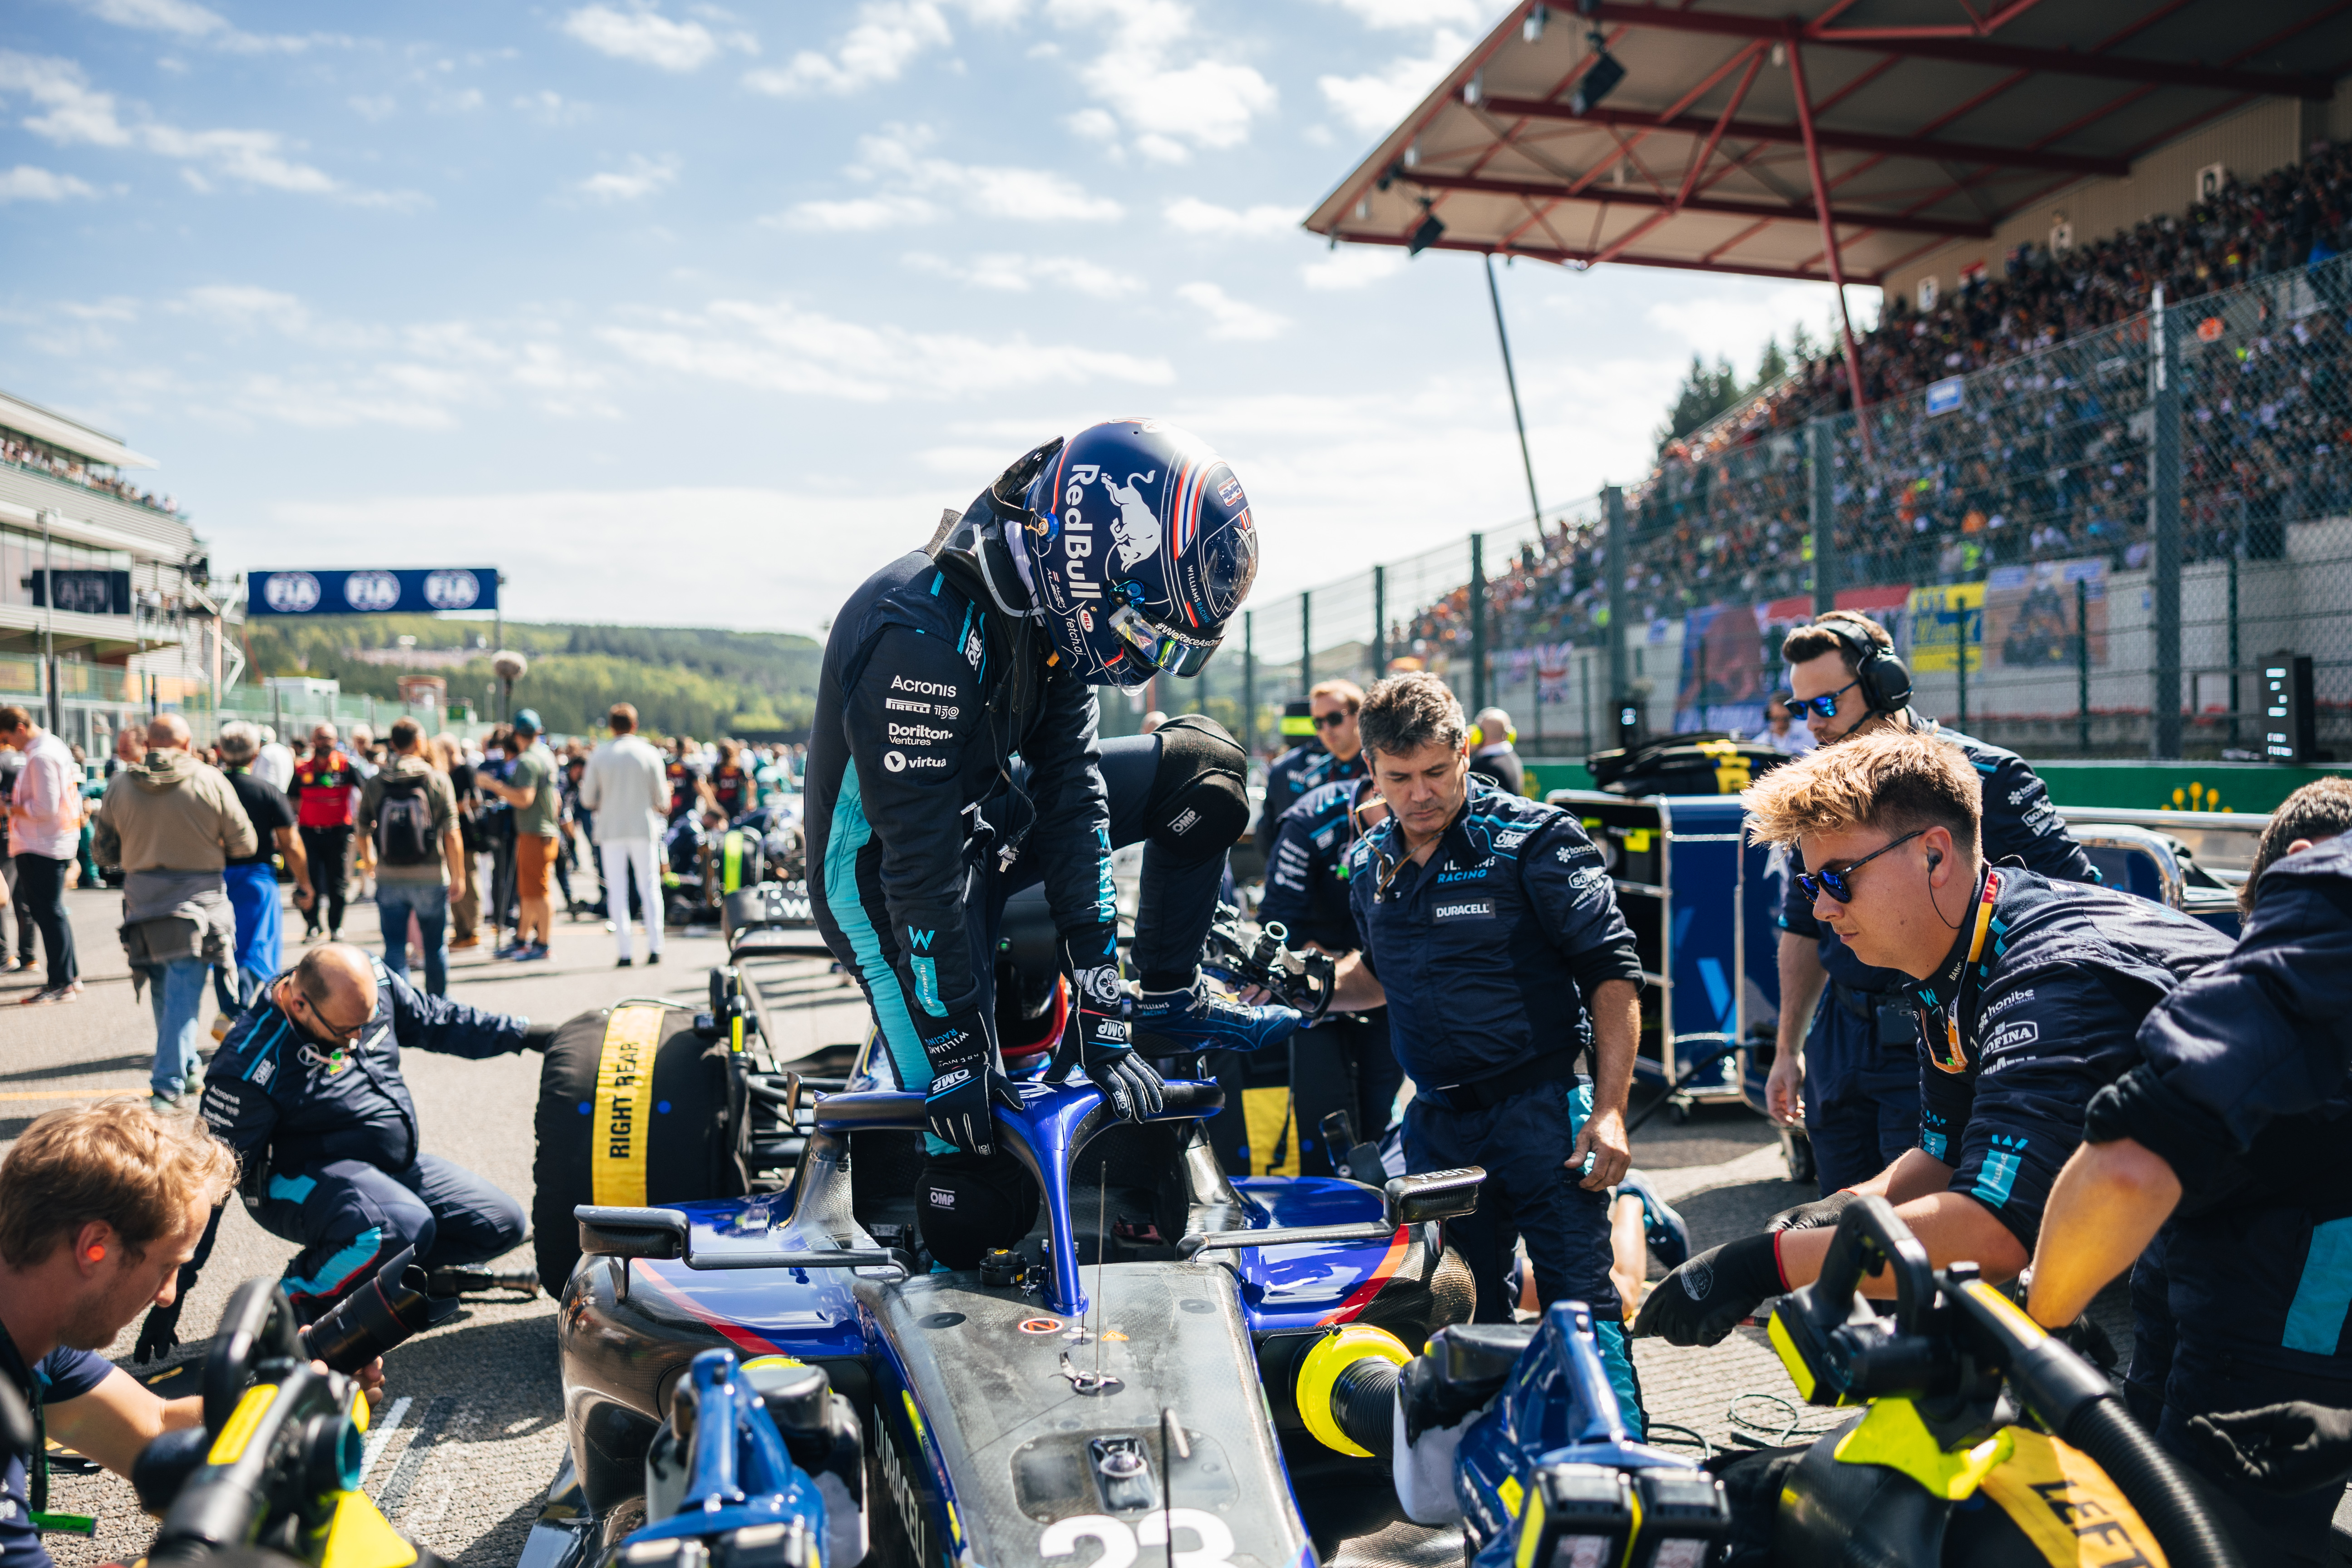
[[1201, 1017], [1669, 1235]]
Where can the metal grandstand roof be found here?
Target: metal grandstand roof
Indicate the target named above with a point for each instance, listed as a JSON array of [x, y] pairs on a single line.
[[1914, 121]]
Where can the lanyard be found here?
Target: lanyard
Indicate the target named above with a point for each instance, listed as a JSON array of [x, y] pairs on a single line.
[[1944, 1045]]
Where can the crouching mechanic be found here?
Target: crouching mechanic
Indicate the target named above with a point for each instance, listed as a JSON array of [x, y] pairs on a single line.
[[953, 761], [2029, 994], [1490, 929], [2228, 1136], [100, 1207], [306, 1090]]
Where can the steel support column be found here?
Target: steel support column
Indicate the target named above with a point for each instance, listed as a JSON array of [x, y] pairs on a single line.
[[2164, 525], [1613, 502], [1379, 622], [1829, 230], [1249, 682], [1306, 645], [1477, 623], [1821, 491]]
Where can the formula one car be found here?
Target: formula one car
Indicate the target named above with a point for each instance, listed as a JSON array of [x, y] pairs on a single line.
[[1150, 1365]]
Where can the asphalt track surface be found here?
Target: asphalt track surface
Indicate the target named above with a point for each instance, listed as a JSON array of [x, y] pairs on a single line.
[[479, 1431]]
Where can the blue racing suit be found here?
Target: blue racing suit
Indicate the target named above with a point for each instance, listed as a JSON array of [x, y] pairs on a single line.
[[1488, 952], [1862, 1079], [1344, 1062], [328, 1141], [2242, 1301], [2035, 1010], [1293, 776], [953, 763]]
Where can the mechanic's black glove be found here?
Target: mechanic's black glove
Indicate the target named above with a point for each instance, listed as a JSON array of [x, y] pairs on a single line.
[[1106, 1046], [1820, 1213], [1704, 1301], [2281, 1449], [159, 1334], [539, 1036], [965, 1083]]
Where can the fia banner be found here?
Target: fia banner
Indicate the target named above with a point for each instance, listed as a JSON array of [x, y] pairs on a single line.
[[421, 591]]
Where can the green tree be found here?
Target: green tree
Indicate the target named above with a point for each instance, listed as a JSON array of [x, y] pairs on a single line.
[[1703, 394], [1771, 366]]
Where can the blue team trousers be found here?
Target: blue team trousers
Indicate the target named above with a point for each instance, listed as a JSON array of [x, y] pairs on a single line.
[[1862, 1096], [352, 1217]]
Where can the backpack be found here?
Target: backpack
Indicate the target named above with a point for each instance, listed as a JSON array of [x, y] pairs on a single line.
[[404, 823]]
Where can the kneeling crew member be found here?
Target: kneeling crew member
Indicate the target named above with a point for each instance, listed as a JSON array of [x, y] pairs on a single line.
[[1490, 929], [953, 761], [100, 1207], [2229, 1136], [2029, 993], [1345, 1061], [1854, 1079], [307, 1089]]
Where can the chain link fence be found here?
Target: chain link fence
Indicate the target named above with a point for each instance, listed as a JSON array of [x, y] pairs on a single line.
[[2116, 545]]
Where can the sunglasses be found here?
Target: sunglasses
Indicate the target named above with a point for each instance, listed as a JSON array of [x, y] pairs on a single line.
[[1332, 720], [333, 1032], [1839, 885], [1825, 705]]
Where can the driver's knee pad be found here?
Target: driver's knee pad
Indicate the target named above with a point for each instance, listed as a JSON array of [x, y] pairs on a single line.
[[968, 1204], [1199, 806]]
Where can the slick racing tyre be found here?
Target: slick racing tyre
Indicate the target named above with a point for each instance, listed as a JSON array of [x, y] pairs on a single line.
[[632, 1111]]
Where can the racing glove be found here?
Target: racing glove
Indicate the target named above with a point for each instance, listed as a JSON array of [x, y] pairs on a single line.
[[539, 1036], [1106, 1046], [159, 1334], [1705, 1300], [2281, 1448], [1821, 1214], [966, 1084]]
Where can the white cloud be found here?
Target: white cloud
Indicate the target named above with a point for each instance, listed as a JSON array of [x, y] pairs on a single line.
[[886, 36], [918, 185], [1206, 102], [1190, 215], [77, 113], [1352, 266], [26, 184], [375, 107], [1233, 320], [158, 16], [1376, 101], [780, 347], [1015, 274], [1092, 124], [647, 37], [552, 108], [1405, 14], [639, 177]]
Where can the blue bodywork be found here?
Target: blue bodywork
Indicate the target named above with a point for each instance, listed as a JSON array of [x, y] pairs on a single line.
[[739, 1475]]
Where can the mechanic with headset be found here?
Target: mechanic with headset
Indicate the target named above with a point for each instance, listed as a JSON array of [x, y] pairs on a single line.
[[1490, 929], [1345, 1061], [953, 761], [1853, 1077], [2028, 992], [306, 1088], [1494, 757], [1335, 751], [2229, 1136]]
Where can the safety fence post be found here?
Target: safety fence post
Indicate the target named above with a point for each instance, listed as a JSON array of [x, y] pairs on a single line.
[[1961, 663], [1477, 623], [1379, 622], [2234, 645], [1249, 682], [1306, 645], [1612, 500], [2164, 526], [2082, 665], [1821, 493]]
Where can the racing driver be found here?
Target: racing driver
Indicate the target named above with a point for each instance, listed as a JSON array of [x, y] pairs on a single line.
[[953, 761]]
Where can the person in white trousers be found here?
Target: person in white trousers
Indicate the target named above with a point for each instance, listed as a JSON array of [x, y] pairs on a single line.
[[625, 791]]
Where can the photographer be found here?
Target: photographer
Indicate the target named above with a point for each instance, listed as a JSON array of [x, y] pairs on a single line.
[[100, 1208]]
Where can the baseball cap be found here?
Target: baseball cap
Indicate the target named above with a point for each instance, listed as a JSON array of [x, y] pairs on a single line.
[[527, 719]]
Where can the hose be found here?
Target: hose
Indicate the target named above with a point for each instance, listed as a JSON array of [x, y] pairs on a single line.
[[1363, 1403], [2155, 1484]]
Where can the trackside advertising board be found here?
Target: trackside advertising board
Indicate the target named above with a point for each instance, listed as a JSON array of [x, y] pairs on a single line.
[[372, 591]]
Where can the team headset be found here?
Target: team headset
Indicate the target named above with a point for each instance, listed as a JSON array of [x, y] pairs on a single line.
[[1479, 737], [1881, 677]]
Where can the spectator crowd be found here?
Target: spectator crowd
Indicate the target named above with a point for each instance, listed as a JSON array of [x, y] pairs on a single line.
[[41, 459]]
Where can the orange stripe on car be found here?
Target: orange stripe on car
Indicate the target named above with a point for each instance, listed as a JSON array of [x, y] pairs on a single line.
[[1361, 1296]]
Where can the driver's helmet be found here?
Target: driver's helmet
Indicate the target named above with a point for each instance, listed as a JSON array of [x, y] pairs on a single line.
[[1142, 549]]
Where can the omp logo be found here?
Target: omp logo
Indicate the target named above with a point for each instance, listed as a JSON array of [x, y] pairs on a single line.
[[901, 705], [1184, 821], [950, 1079], [972, 649], [921, 688], [1510, 840], [1110, 1029]]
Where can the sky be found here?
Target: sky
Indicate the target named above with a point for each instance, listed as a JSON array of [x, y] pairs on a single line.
[[690, 315]]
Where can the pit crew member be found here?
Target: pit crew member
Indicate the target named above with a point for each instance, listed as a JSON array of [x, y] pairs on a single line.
[[326, 793], [100, 1207], [306, 1091], [1345, 1061], [1334, 752], [953, 761], [1852, 1079], [2029, 994], [1491, 931], [2229, 1136]]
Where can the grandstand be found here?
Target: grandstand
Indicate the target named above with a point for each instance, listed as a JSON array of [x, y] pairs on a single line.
[[1989, 491]]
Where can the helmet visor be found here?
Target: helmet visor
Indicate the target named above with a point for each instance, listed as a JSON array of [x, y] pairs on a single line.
[[1171, 653]]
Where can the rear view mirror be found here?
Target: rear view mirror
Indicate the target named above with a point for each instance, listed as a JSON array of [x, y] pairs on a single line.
[[658, 1234], [1432, 1194]]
